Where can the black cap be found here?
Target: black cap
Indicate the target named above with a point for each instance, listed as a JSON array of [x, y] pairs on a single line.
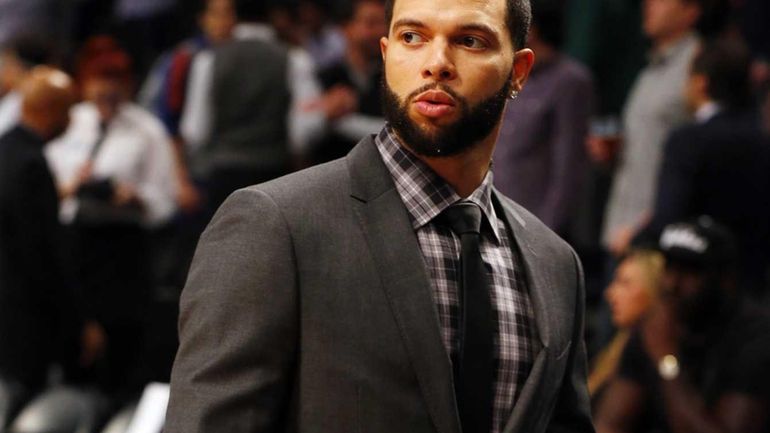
[[700, 243]]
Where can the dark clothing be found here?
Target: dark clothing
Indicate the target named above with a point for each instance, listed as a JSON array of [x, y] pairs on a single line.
[[36, 306], [719, 168], [731, 358], [251, 100], [368, 89]]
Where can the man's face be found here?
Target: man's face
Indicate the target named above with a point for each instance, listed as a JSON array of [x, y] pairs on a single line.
[[449, 66], [696, 293], [663, 18], [218, 20], [367, 27], [106, 94]]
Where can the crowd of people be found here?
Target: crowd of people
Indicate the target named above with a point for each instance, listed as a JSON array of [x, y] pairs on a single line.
[[642, 138]]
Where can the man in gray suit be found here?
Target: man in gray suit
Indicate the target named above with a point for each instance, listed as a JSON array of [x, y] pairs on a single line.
[[347, 298]]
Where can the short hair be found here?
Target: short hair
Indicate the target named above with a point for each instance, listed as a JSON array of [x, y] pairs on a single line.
[[102, 58], [725, 63], [518, 16]]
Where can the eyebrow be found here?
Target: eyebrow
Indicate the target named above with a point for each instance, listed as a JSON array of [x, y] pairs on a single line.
[[408, 22]]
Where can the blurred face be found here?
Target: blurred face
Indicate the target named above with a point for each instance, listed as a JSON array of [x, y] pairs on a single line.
[[449, 67], [367, 27], [628, 294], [218, 20], [106, 94], [666, 18]]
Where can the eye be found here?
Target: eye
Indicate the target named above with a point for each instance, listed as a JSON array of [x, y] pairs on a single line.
[[472, 42], [412, 38]]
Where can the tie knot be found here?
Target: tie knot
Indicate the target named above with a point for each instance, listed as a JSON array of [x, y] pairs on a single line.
[[464, 217]]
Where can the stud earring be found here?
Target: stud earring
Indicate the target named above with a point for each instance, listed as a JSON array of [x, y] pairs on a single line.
[[514, 94]]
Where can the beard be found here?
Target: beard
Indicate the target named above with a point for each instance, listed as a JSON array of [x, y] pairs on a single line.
[[474, 124]]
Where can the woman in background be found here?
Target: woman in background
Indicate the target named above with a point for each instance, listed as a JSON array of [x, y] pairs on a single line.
[[630, 295], [115, 172]]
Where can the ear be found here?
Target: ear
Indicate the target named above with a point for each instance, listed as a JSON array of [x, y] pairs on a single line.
[[384, 46], [522, 66]]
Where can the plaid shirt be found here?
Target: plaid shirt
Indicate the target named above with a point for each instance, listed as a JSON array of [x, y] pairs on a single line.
[[426, 195]]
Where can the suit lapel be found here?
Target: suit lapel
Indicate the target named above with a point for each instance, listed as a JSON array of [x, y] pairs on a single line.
[[404, 279], [537, 268]]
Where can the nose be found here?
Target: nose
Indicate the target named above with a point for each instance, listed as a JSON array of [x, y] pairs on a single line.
[[439, 65]]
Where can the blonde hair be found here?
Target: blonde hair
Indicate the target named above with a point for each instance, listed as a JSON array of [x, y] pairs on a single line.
[[606, 362]]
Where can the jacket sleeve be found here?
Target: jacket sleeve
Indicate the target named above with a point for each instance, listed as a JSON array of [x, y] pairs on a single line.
[[238, 323], [573, 408]]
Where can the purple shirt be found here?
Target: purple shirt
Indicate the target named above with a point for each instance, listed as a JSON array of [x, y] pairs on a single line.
[[540, 158]]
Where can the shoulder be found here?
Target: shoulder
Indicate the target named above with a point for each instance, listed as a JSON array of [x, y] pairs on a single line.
[[574, 71]]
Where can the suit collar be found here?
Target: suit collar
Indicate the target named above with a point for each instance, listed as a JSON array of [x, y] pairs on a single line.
[[404, 279]]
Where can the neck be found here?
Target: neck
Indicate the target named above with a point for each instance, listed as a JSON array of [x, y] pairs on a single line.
[[37, 127], [466, 171], [664, 42]]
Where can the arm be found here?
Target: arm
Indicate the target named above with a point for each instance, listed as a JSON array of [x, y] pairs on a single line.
[[619, 407], [305, 125], [573, 409], [238, 323], [674, 185]]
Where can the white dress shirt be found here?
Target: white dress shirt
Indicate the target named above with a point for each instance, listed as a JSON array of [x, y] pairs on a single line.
[[136, 150], [10, 111]]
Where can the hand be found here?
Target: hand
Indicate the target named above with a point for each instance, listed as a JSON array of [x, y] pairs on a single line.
[[125, 195], [621, 240], [603, 149], [84, 174], [188, 197], [93, 342], [661, 331], [335, 103]]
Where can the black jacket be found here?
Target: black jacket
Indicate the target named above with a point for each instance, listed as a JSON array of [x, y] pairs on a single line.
[[35, 300]]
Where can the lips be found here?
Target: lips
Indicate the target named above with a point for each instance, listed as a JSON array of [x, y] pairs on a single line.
[[435, 104]]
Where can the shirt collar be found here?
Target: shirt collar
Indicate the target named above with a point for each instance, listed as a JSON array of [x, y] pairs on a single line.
[[425, 193], [707, 112]]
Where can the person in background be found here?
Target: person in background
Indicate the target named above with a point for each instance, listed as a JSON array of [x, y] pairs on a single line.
[[719, 164], [655, 106], [698, 362], [544, 131], [17, 57], [114, 168], [38, 305], [352, 100], [166, 88], [245, 119], [324, 41], [631, 294]]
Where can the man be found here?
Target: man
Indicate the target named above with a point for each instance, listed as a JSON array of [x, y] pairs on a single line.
[[36, 306], [327, 301], [544, 131], [719, 165], [352, 100], [655, 106], [699, 361], [17, 57]]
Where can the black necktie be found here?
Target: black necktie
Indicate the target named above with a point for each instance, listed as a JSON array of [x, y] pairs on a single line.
[[475, 366]]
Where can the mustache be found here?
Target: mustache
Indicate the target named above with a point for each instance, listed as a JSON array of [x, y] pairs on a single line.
[[436, 86]]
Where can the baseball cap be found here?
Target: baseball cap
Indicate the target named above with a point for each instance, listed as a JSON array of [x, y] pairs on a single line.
[[699, 243]]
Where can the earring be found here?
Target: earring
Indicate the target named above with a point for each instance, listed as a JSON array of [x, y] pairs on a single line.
[[514, 94]]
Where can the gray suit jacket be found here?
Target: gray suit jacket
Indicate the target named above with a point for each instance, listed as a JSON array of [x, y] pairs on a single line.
[[309, 309]]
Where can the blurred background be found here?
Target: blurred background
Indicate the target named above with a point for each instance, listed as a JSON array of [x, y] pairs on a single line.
[[181, 102]]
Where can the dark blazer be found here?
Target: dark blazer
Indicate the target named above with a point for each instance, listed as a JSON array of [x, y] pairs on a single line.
[[309, 308], [34, 300], [719, 168]]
